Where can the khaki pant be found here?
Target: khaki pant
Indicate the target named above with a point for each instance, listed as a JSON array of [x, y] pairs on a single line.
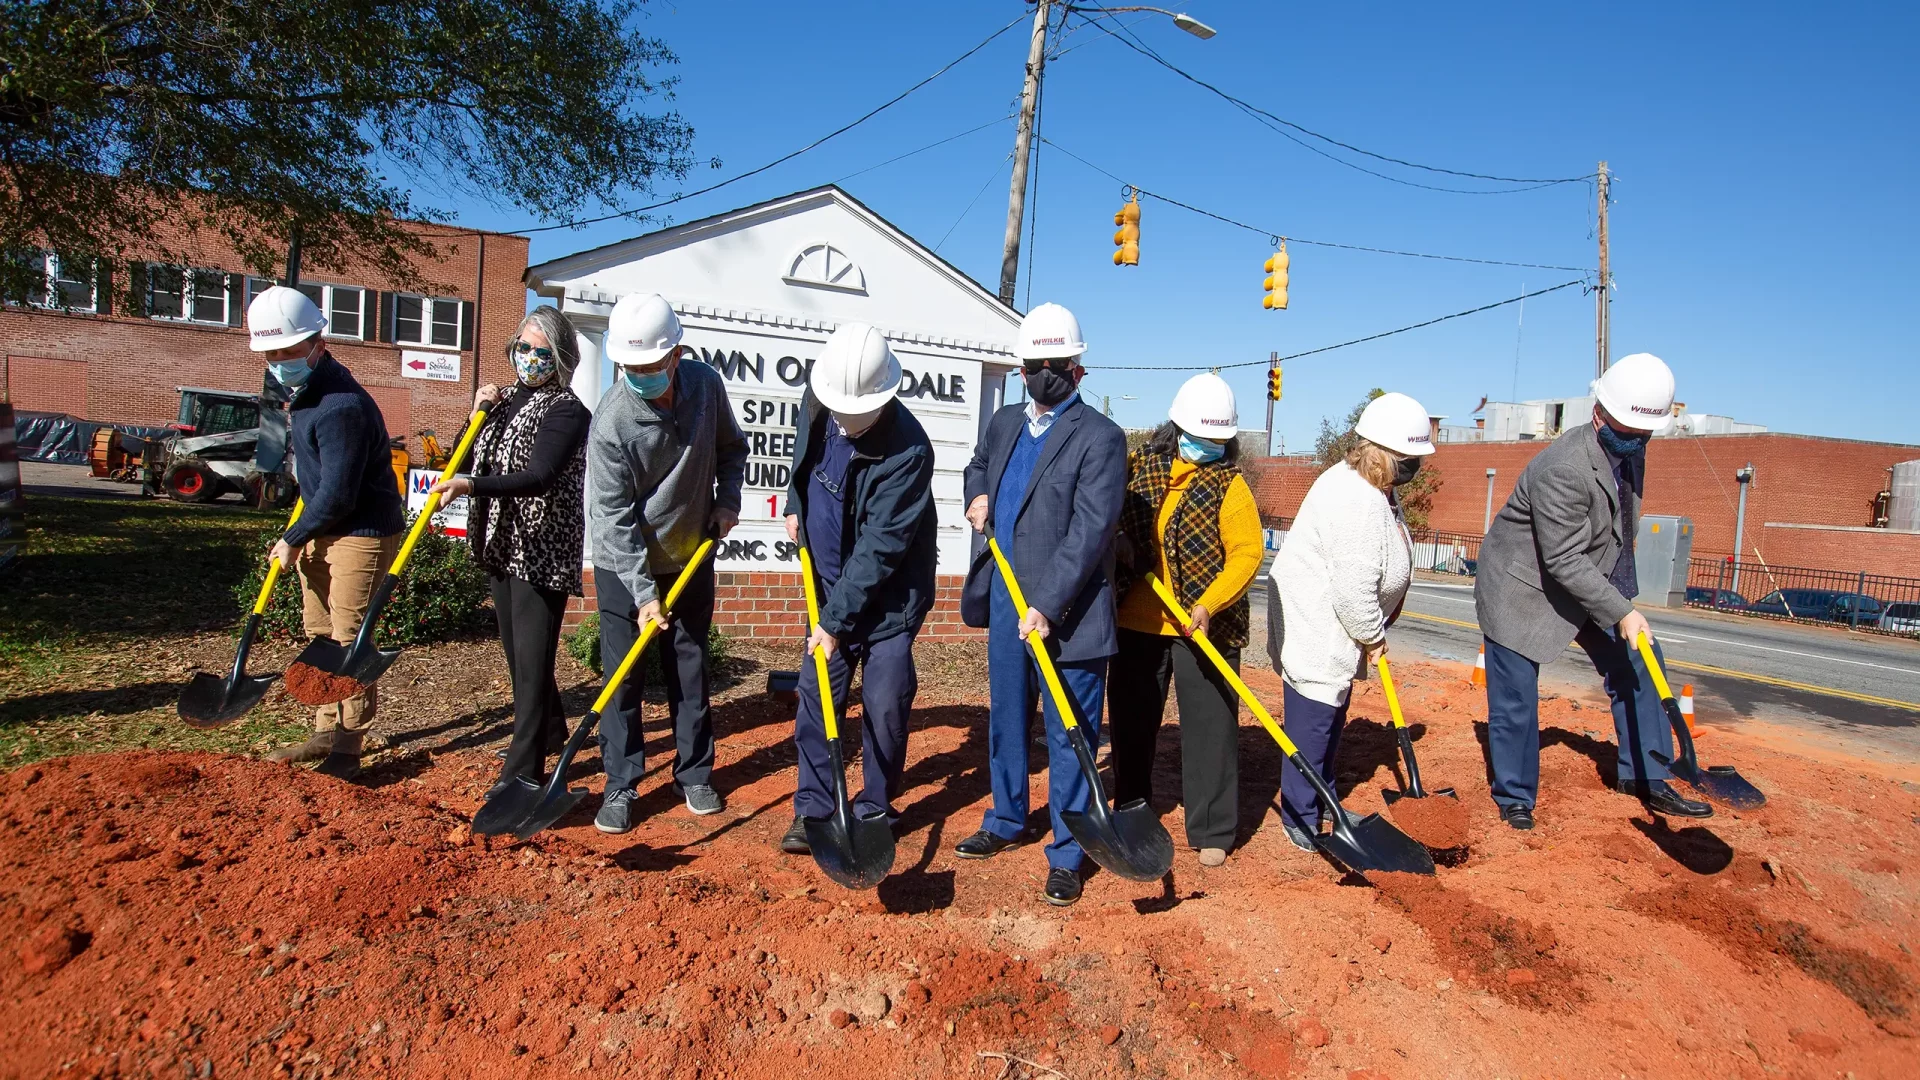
[[337, 577]]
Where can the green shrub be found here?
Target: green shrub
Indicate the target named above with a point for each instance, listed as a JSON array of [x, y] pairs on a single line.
[[583, 644], [442, 595]]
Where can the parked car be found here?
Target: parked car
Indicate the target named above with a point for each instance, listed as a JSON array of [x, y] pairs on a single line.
[[1901, 618], [1718, 598], [1830, 605]]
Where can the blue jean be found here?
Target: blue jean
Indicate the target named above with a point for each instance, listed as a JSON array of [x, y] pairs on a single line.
[[1014, 681], [1314, 727], [1513, 714], [887, 688]]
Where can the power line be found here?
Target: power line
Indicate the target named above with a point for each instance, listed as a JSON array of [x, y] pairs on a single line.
[[924, 149], [1269, 120], [1344, 344], [991, 177], [1291, 239], [895, 100]]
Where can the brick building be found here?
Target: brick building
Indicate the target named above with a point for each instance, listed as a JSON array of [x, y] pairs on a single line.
[[110, 361]]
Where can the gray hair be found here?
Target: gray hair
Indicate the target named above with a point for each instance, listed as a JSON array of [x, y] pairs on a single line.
[[561, 337]]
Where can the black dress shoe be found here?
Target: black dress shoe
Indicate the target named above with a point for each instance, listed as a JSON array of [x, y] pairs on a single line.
[[1063, 886], [795, 841], [984, 845], [1659, 797], [1518, 817]]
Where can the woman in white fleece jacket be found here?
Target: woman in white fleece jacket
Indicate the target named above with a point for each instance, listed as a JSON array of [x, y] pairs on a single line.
[[1339, 579]]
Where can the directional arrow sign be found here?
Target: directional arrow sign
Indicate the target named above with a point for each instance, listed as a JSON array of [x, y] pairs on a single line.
[[438, 366]]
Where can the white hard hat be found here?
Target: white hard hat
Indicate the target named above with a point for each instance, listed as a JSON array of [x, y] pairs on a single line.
[[1204, 408], [1398, 423], [280, 317], [856, 372], [1638, 392], [642, 330], [1049, 331]]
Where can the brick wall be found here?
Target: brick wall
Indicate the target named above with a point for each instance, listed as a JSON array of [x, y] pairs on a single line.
[[769, 607], [1279, 483], [117, 368], [1876, 551]]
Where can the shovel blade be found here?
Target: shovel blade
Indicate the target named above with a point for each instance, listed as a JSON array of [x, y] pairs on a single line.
[[331, 658], [1131, 843], [548, 811], [1373, 843], [209, 702], [1719, 783], [1392, 797], [856, 860], [507, 808]]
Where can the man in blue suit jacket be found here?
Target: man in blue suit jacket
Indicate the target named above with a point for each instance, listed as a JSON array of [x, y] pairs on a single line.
[[1046, 482]]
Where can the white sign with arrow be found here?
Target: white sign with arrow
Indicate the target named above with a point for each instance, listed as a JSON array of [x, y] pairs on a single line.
[[438, 366]]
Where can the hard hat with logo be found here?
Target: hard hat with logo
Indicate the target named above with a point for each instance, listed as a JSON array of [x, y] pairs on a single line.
[[1048, 332], [1637, 391], [642, 331], [1398, 423], [856, 372], [1204, 408], [280, 317]]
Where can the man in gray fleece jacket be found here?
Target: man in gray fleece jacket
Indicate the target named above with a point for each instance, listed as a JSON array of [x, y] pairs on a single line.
[[665, 460]]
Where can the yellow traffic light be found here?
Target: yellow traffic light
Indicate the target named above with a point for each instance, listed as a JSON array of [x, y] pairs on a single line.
[[1276, 284], [1127, 238], [1273, 383]]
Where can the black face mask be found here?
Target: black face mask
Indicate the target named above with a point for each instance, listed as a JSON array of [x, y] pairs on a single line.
[[1622, 444], [1404, 470], [1048, 386]]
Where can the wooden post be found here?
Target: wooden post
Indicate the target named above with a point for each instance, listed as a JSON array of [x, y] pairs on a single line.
[[1022, 150], [1601, 293]]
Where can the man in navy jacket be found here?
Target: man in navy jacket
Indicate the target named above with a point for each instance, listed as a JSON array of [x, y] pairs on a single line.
[[1046, 482], [861, 502]]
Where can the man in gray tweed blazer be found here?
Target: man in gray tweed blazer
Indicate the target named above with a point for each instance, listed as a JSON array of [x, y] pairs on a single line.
[[1557, 566]]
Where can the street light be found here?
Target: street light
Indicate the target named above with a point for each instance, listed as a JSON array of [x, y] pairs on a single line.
[[1486, 524], [1106, 403], [1180, 19]]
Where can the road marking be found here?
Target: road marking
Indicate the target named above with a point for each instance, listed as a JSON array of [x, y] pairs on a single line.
[[1788, 684], [1450, 599], [1438, 585], [1797, 652]]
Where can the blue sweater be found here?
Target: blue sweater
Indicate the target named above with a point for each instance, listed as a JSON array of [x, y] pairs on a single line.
[[342, 459]]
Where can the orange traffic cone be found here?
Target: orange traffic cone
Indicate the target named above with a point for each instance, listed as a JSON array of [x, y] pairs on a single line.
[[1480, 667], [1686, 709]]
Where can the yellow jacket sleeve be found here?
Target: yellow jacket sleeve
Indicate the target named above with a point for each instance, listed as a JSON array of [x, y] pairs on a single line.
[[1245, 541]]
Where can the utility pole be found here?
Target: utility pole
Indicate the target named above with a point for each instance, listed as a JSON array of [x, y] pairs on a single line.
[[1601, 294], [1022, 150], [1272, 359], [1744, 476]]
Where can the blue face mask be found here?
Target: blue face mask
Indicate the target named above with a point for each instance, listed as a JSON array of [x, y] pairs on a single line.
[[293, 374], [649, 385], [1200, 451], [1621, 444]]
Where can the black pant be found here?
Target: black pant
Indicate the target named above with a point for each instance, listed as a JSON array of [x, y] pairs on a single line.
[[529, 618], [1209, 729], [887, 687], [682, 649]]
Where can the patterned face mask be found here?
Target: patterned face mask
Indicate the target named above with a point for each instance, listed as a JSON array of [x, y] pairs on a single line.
[[533, 365]]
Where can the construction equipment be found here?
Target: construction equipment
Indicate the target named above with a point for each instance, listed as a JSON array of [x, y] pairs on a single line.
[[1720, 783], [1414, 790], [1128, 840], [210, 701], [335, 672], [524, 807], [855, 851], [1360, 844], [214, 452]]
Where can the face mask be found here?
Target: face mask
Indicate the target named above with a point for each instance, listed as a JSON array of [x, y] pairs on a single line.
[[293, 374], [1405, 469], [1048, 387], [1622, 444], [533, 366], [858, 424], [650, 384], [1200, 451]]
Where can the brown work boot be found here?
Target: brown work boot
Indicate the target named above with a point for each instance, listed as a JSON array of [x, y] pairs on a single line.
[[318, 746], [343, 761]]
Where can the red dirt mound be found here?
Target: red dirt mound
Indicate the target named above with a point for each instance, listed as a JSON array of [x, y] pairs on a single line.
[[1438, 821], [311, 686], [1511, 957]]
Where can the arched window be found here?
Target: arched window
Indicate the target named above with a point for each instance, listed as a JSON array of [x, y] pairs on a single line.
[[828, 266]]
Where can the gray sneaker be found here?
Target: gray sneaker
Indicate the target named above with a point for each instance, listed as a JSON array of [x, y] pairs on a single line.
[[702, 799], [616, 812], [1300, 837]]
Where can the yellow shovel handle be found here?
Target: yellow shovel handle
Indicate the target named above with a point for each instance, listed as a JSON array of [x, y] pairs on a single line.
[[1233, 677], [646, 632], [1061, 703], [1393, 696], [273, 565], [819, 653], [1653, 667], [458, 459]]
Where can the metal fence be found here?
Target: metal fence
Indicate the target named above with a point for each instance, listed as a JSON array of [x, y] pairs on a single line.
[[1445, 552], [1875, 603]]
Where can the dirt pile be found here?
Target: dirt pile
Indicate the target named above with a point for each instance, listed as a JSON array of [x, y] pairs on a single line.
[[1511, 957], [1437, 821], [309, 684]]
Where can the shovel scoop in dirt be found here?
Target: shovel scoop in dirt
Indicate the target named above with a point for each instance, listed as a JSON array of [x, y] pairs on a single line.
[[853, 850], [1435, 818], [1720, 783], [1360, 844], [211, 701], [1127, 840], [524, 807], [326, 671]]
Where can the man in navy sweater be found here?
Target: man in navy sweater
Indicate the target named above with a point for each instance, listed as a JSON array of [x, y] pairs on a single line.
[[349, 526], [1046, 482]]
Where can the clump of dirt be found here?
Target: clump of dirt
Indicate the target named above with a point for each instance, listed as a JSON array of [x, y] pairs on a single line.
[[311, 686], [1511, 957], [1255, 1038], [1438, 821], [1880, 990]]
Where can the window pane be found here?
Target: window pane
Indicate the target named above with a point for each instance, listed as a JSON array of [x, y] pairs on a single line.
[[315, 293], [258, 285], [163, 292], [209, 296], [409, 320], [343, 319], [70, 289], [446, 322]]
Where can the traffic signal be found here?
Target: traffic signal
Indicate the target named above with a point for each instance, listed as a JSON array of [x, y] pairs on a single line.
[[1276, 298], [1273, 383], [1127, 239]]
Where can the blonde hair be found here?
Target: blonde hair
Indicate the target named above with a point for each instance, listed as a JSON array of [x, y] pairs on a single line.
[[1375, 463]]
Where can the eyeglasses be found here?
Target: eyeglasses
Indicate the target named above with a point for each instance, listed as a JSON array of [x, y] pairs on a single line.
[[521, 348]]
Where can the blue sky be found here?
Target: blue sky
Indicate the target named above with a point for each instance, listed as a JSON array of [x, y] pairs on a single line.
[[1764, 236]]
